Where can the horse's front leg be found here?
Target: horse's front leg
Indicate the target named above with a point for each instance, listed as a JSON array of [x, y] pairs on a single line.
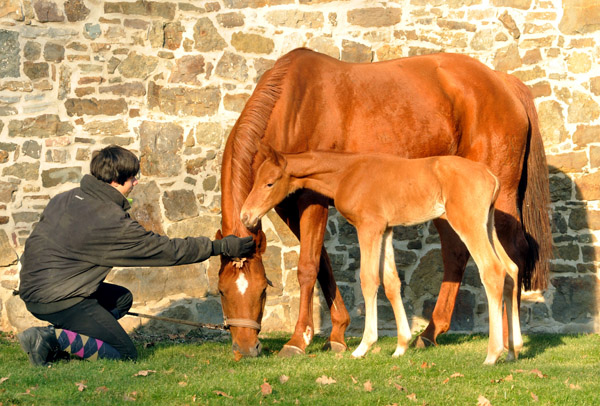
[[455, 257], [306, 216]]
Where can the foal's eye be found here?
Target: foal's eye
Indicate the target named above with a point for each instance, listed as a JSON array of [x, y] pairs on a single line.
[[269, 185]]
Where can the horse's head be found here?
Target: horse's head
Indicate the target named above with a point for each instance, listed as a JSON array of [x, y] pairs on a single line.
[[271, 186], [243, 288]]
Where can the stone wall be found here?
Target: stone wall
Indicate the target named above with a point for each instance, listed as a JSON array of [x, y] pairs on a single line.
[[168, 79]]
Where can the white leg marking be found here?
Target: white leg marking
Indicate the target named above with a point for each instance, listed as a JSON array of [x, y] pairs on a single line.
[[307, 335]]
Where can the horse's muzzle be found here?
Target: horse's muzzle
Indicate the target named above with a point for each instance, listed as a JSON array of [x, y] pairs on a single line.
[[251, 352]]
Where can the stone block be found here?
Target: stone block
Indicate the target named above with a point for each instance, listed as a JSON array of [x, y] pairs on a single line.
[[187, 70], [138, 66], [58, 176], [47, 11], [145, 208], [160, 147], [427, 277], [142, 7], [23, 170], [355, 52], [93, 107], [252, 43], [7, 190], [588, 187], [583, 109], [180, 204], [575, 299], [580, 17], [207, 37], [8, 255], [232, 66], [375, 16]]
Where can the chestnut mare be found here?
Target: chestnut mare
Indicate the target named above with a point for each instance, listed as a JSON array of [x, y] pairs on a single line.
[[376, 192], [442, 104]]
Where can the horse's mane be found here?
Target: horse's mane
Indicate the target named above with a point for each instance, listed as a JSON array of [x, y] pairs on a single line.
[[250, 129]]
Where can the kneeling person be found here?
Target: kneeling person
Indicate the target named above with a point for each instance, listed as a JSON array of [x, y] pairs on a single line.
[[81, 235]]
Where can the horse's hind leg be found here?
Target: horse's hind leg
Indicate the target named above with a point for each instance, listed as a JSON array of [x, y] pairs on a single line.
[[370, 264], [392, 285], [455, 256], [511, 300]]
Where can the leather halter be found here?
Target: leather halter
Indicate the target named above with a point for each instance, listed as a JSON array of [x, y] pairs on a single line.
[[241, 323]]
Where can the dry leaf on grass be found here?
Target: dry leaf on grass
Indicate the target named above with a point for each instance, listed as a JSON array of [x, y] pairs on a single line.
[[283, 379], [400, 387], [101, 389], [368, 386], [483, 401], [325, 380], [145, 372], [534, 397], [81, 386], [454, 375], [221, 393], [412, 396], [4, 379], [572, 386], [131, 397], [182, 383], [266, 388], [376, 350], [354, 380]]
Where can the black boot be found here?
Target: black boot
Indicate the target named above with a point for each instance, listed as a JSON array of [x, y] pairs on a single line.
[[40, 344]]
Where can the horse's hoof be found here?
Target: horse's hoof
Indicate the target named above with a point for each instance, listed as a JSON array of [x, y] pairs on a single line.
[[290, 351], [422, 342], [335, 346]]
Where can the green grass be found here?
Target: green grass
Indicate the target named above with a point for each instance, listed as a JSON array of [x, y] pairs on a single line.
[[552, 370]]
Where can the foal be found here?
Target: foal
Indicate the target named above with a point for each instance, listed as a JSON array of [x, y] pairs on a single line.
[[376, 192]]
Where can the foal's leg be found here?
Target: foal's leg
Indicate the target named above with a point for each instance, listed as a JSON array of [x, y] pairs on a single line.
[[392, 285], [511, 300], [370, 264], [471, 223]]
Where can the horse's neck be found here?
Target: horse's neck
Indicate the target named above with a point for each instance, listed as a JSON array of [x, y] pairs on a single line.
[[318, 171]]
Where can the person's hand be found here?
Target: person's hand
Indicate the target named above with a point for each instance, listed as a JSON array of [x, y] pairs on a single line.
[[235, 247]]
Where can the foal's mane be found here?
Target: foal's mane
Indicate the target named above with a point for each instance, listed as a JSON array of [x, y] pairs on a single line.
[[250, 129]]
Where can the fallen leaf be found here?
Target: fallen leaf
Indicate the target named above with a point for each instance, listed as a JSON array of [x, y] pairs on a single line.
[[3, 379], [368, 386], [445, 381], [412, 396], [354, 380], [400, 387], [508, 378], [145, 372], [182, 383], [483, 401], [534, 397], [266, 388], [376, 350], [283, 379], [538, 373], [130, 397], [457, 375], [221, 393], [81, 386], [325, 380], [101, 389]]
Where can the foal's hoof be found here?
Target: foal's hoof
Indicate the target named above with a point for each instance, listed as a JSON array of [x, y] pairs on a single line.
[[422, 342], [289, 351], [335, 346]]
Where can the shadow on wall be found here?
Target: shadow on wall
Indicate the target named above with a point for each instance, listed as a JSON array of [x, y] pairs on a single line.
[[570, 304]]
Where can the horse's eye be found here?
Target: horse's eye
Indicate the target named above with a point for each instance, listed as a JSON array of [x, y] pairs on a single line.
[[269, 185]]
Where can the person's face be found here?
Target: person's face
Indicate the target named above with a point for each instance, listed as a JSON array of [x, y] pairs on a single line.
[[126, 187]]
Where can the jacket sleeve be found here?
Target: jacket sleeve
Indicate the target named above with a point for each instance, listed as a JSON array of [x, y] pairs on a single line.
[[136, 246]]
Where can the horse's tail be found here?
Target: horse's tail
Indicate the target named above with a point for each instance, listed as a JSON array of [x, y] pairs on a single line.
[[534, 198]]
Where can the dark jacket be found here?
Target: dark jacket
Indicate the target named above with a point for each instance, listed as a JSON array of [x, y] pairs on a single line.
[[81, 235]]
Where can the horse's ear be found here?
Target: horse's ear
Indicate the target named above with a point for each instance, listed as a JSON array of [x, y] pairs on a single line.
[[261, 242], [219, 235]]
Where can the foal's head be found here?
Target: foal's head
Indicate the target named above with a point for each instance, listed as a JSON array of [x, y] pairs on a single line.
[[271, 186]]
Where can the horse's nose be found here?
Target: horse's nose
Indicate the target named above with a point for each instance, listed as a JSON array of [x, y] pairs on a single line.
[[251, 352]]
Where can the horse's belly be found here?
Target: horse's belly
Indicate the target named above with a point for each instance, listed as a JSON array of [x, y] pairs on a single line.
[[420, 212]]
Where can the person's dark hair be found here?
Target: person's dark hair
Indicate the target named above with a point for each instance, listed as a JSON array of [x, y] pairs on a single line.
[[114, 163]]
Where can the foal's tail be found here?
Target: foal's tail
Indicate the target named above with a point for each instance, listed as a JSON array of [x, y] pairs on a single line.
[[534, 197]]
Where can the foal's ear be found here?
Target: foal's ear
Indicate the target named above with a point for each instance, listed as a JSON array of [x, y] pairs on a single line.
[[271, 154]]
